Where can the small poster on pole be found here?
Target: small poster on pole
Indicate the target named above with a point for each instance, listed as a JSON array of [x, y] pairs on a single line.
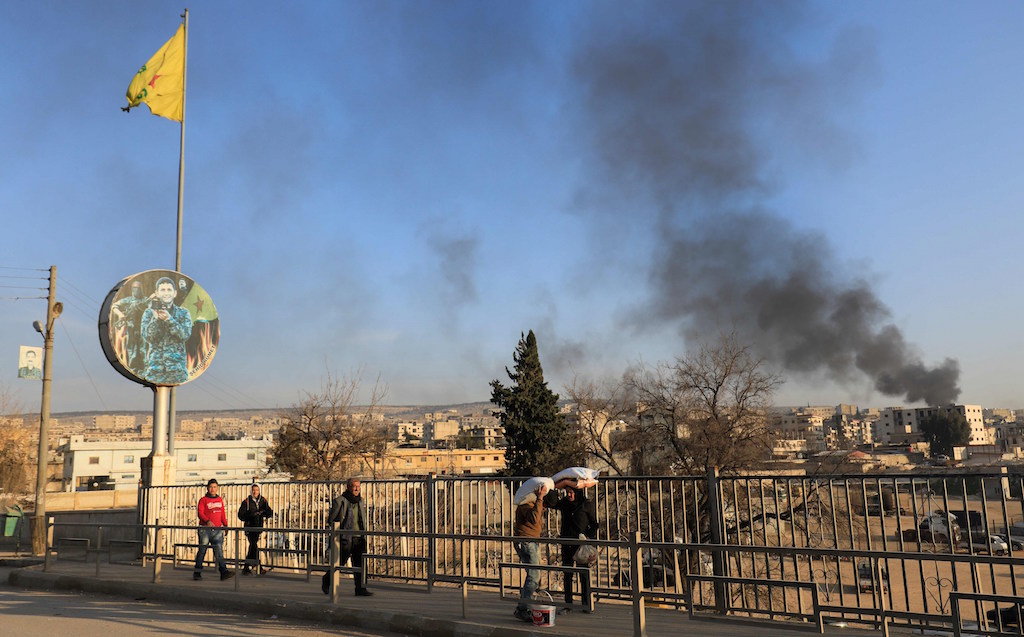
[[30, 360]]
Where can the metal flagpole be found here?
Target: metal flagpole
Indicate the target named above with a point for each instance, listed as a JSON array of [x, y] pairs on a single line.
[[171, 425]]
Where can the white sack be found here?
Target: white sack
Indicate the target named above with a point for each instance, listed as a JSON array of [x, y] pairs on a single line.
[[525, 494], [584, 477]]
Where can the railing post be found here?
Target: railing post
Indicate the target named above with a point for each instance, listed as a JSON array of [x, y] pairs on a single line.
[[717, 537], [48, 544], [954, 604], [335, 561], [99, 551], [237, 585], [464, 584], [431, 531], [879, 583], [819, 621], [636, 578], [157, 541]]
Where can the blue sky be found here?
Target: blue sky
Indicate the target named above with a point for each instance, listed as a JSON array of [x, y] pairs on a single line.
[[399, 189]]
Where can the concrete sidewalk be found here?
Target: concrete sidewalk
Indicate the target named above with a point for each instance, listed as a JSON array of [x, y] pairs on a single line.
[[402, 609]]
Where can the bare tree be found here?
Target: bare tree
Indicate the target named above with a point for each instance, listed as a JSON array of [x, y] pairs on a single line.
[[15, 446], [708, 409], [605, 412], [325, 436]]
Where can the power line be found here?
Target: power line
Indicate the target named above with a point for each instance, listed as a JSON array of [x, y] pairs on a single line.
[[20, 298], [68, 301], [10, 267], [82, 363], [27, 278], [82, 299], [21, 287], [236, 394], [81, 294]]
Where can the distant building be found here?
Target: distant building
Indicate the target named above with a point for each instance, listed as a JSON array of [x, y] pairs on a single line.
[[101, 464], [412, 462], [438, 432], [902, 426], [406, 432], [806, 424]]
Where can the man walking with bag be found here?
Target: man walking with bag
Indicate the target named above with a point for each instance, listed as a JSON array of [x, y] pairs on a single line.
[[579, 519], [350, 511]]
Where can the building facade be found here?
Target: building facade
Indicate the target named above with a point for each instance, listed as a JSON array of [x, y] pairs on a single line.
[[99, 464]]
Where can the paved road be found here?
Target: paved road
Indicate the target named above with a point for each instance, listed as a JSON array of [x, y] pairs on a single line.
[[30, 613]]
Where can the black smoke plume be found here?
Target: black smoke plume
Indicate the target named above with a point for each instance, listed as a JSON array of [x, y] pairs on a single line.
[[690, 124]]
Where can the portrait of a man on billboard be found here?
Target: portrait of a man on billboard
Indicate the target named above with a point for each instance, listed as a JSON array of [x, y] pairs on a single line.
[[30, 361]]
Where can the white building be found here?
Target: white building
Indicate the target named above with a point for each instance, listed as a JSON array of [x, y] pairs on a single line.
[[901, 425], [102, 464], [807, 424], [406, 432]]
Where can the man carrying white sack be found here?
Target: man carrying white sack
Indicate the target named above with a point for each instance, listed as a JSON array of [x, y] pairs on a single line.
[[529, 517]]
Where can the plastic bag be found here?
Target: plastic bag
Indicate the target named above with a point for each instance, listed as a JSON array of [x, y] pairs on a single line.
[[526, 493], [586, 554]]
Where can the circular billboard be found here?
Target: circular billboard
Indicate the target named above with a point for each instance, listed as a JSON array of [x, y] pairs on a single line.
[[159, 327]]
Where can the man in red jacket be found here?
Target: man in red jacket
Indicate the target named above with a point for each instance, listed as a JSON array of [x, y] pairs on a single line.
[[212, 520]]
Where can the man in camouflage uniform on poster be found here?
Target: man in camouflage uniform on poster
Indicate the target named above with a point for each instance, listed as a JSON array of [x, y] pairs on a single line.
[[166, 328], [129, 314]]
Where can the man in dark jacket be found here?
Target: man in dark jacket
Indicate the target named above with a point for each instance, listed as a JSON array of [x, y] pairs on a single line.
[[252, 513], [349, 510], [578, 518]]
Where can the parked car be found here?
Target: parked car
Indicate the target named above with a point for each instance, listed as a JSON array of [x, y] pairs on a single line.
[[1014, 542], [982, 542], [865, 580]]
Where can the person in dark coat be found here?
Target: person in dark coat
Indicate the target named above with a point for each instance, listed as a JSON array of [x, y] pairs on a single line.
[[253, 511], [579, 517], [350, 511]]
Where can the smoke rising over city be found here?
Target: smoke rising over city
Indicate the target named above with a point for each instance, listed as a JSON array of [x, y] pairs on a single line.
[[691, 125]]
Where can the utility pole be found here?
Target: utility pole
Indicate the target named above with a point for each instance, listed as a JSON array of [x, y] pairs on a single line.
[[53, 310]]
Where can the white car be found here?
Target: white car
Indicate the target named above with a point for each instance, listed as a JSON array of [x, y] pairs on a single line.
[[982, 542]]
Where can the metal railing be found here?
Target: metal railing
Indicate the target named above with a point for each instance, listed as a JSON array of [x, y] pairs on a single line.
[[854, 541]]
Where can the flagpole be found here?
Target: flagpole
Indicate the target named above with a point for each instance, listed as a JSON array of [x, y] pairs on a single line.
[[177, 250], [181, 156]]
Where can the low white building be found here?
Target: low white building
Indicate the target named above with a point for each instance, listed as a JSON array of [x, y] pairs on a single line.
[[901, 425], [103, 464]]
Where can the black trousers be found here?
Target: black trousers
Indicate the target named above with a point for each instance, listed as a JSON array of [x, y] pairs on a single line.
[[252, 556], [568, 551], [354, 551]]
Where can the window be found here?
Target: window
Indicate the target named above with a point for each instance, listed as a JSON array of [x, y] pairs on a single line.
[[495, 458], [128, 476], [251, 455], [94, 459], [222, 473], [193, 473], [191, 457], [467, 457], [221, 457], [129, 459]]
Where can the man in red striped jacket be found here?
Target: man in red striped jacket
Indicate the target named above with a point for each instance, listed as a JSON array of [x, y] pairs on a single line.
[[212, 521]]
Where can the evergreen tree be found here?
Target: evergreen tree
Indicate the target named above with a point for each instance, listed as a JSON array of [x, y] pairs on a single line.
[[943, 431], [539, 443]]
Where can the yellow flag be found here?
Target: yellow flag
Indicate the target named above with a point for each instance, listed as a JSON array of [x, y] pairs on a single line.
[[160, 83]]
